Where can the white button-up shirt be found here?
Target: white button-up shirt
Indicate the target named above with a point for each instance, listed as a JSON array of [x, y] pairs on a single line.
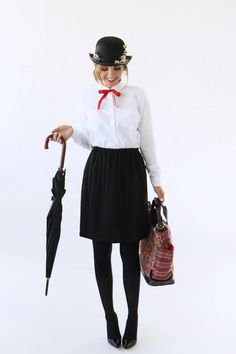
[[121, 122]]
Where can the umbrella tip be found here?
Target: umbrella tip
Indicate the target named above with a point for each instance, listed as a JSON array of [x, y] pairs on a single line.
[[46, 290]]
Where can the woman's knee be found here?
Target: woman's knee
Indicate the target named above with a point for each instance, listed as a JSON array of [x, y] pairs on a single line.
[[129, 252], [102, 253]]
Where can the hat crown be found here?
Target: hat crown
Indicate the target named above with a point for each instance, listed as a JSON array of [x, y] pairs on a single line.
[[110, 45]]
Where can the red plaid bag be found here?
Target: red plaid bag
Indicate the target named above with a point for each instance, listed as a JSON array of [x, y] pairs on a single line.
[[157, 251]]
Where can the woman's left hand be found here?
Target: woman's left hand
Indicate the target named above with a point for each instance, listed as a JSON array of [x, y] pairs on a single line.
[[160, 192]]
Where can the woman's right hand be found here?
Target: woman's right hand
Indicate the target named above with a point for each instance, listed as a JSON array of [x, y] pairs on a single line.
[[64, 131]]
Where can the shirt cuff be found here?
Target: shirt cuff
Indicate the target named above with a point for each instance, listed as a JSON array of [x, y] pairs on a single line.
[[80, 138], [155, 181]]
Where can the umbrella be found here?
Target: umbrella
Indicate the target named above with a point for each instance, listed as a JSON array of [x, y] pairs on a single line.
[[55, 213]]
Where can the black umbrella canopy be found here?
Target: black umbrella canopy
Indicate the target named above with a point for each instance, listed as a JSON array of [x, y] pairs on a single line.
[[54, 216]]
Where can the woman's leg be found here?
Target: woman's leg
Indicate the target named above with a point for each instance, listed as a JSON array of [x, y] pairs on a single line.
[[103, 272], [131, 278]]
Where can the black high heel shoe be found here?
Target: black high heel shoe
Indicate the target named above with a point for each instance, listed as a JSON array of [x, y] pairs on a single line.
[[127, 344], [115, 342], [130, 336], [113, 332]]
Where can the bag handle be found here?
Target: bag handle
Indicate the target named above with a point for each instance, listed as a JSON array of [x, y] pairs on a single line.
[[157, 205], [63, 149]]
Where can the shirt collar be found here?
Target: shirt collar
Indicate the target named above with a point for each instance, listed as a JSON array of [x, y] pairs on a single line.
[[118, 87]]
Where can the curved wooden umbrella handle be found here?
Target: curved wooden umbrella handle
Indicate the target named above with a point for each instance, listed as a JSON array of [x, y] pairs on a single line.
[[63, 149]]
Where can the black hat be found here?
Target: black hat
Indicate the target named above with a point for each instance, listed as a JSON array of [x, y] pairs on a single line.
[[110, 51]]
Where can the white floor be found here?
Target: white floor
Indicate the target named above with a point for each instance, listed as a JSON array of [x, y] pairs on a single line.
[[196, 315]]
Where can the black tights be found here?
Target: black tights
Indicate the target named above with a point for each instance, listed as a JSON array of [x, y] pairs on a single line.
[[131, 278]]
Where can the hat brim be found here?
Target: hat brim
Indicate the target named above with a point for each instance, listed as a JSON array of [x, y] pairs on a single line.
[[128, 57]]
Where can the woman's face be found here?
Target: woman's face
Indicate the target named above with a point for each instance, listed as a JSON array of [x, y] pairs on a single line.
[[110, 75]]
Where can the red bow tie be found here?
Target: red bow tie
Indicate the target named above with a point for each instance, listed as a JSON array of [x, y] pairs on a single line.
[[105, 93]]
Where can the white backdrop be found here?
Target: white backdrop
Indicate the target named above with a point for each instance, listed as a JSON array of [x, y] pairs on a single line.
[[184, 57]]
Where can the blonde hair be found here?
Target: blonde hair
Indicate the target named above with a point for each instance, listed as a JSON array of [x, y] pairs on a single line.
[[97, 76]]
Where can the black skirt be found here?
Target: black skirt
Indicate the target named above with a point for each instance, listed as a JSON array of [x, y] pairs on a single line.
[[114, 196]]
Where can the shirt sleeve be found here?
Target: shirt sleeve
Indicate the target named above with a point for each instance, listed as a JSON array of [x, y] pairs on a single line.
[[147, 142], [80, 134]]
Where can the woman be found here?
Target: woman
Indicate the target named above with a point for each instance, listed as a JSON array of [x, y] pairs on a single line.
[[115, 125]]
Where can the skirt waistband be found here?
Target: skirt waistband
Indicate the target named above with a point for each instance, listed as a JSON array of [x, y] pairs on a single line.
[[114, 149]]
